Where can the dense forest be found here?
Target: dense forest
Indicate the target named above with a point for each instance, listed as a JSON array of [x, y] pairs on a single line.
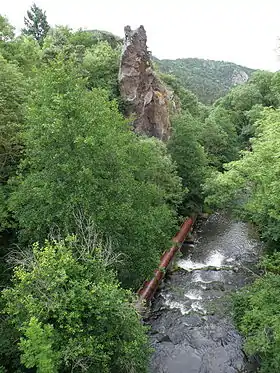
[[87, 206], [207, 79]]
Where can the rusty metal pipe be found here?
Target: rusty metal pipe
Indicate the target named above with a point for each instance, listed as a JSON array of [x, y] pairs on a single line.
[[149, 288], [184, 231]]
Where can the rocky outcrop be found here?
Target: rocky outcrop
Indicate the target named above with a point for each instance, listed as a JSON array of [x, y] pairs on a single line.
[[239, 77], [143, 93]]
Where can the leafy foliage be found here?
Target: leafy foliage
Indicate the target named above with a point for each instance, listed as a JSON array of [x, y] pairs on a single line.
[[101, 65], [219, 137], [186, 150], [257, 311], [82, 156], [250, 187], [71, 313], [67, 151], [11, 116], [9, 336], [22, 51], [36, 24], [251, 183], [98, 61], [6, 30], [12, 91]]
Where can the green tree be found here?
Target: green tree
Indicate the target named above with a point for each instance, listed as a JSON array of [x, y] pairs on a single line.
[[12, 98], [190, 158], [264, 83], [6, 37], [71, 313], [26, 52], [97, 60], [23, 51], [256, 313], [9, 337], [101, 66], [238, 102], [243, 103], [6, 30], [219, 137], [250, 184], [187, 100], [81, 155], [36, 24]]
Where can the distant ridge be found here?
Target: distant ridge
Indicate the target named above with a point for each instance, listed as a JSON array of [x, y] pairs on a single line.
[[208, 79]]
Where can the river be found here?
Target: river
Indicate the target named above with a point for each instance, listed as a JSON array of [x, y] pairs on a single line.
[[191, 327]]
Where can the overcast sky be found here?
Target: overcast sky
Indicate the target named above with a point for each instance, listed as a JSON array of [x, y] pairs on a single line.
[[241, 31]]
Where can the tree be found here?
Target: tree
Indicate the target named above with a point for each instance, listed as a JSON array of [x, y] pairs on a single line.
[[6, 30], [98, 60], [11, 117], [26, 52], [190, 158], [23, 51], [36, 24], [256, 313], [71, 314], [187, 100], [6, 37], [263, 81], [12, 98], [250, 184], [219, 137], [81, 155], [101, 66]]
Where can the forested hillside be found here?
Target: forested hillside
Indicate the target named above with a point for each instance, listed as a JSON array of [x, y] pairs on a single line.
[[87, 205], [207, 79]]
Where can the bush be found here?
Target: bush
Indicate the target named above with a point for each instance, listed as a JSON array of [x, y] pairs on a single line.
[[71, 313], [257, 315]]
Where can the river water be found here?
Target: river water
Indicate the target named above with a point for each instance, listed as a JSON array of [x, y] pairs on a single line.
[[191, 326]]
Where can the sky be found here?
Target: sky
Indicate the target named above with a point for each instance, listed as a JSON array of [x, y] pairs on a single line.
[[241, 31]]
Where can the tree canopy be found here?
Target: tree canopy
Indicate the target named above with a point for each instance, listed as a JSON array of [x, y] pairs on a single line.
[[72, 314], [87, 206], [36, 24]]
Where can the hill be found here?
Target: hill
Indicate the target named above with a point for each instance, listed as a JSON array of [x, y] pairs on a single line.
[[208, 79]]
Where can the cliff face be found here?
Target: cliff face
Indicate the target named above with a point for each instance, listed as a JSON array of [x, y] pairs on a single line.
[[146, 97], [239, 77]]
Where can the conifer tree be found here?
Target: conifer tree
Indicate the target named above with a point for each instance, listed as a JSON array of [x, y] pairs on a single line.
[[36, 24]]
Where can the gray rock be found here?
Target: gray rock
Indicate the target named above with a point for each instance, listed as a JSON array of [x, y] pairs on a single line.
[[144, 94]]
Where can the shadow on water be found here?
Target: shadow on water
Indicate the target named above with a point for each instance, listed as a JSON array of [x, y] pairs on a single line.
[[191, 327]]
